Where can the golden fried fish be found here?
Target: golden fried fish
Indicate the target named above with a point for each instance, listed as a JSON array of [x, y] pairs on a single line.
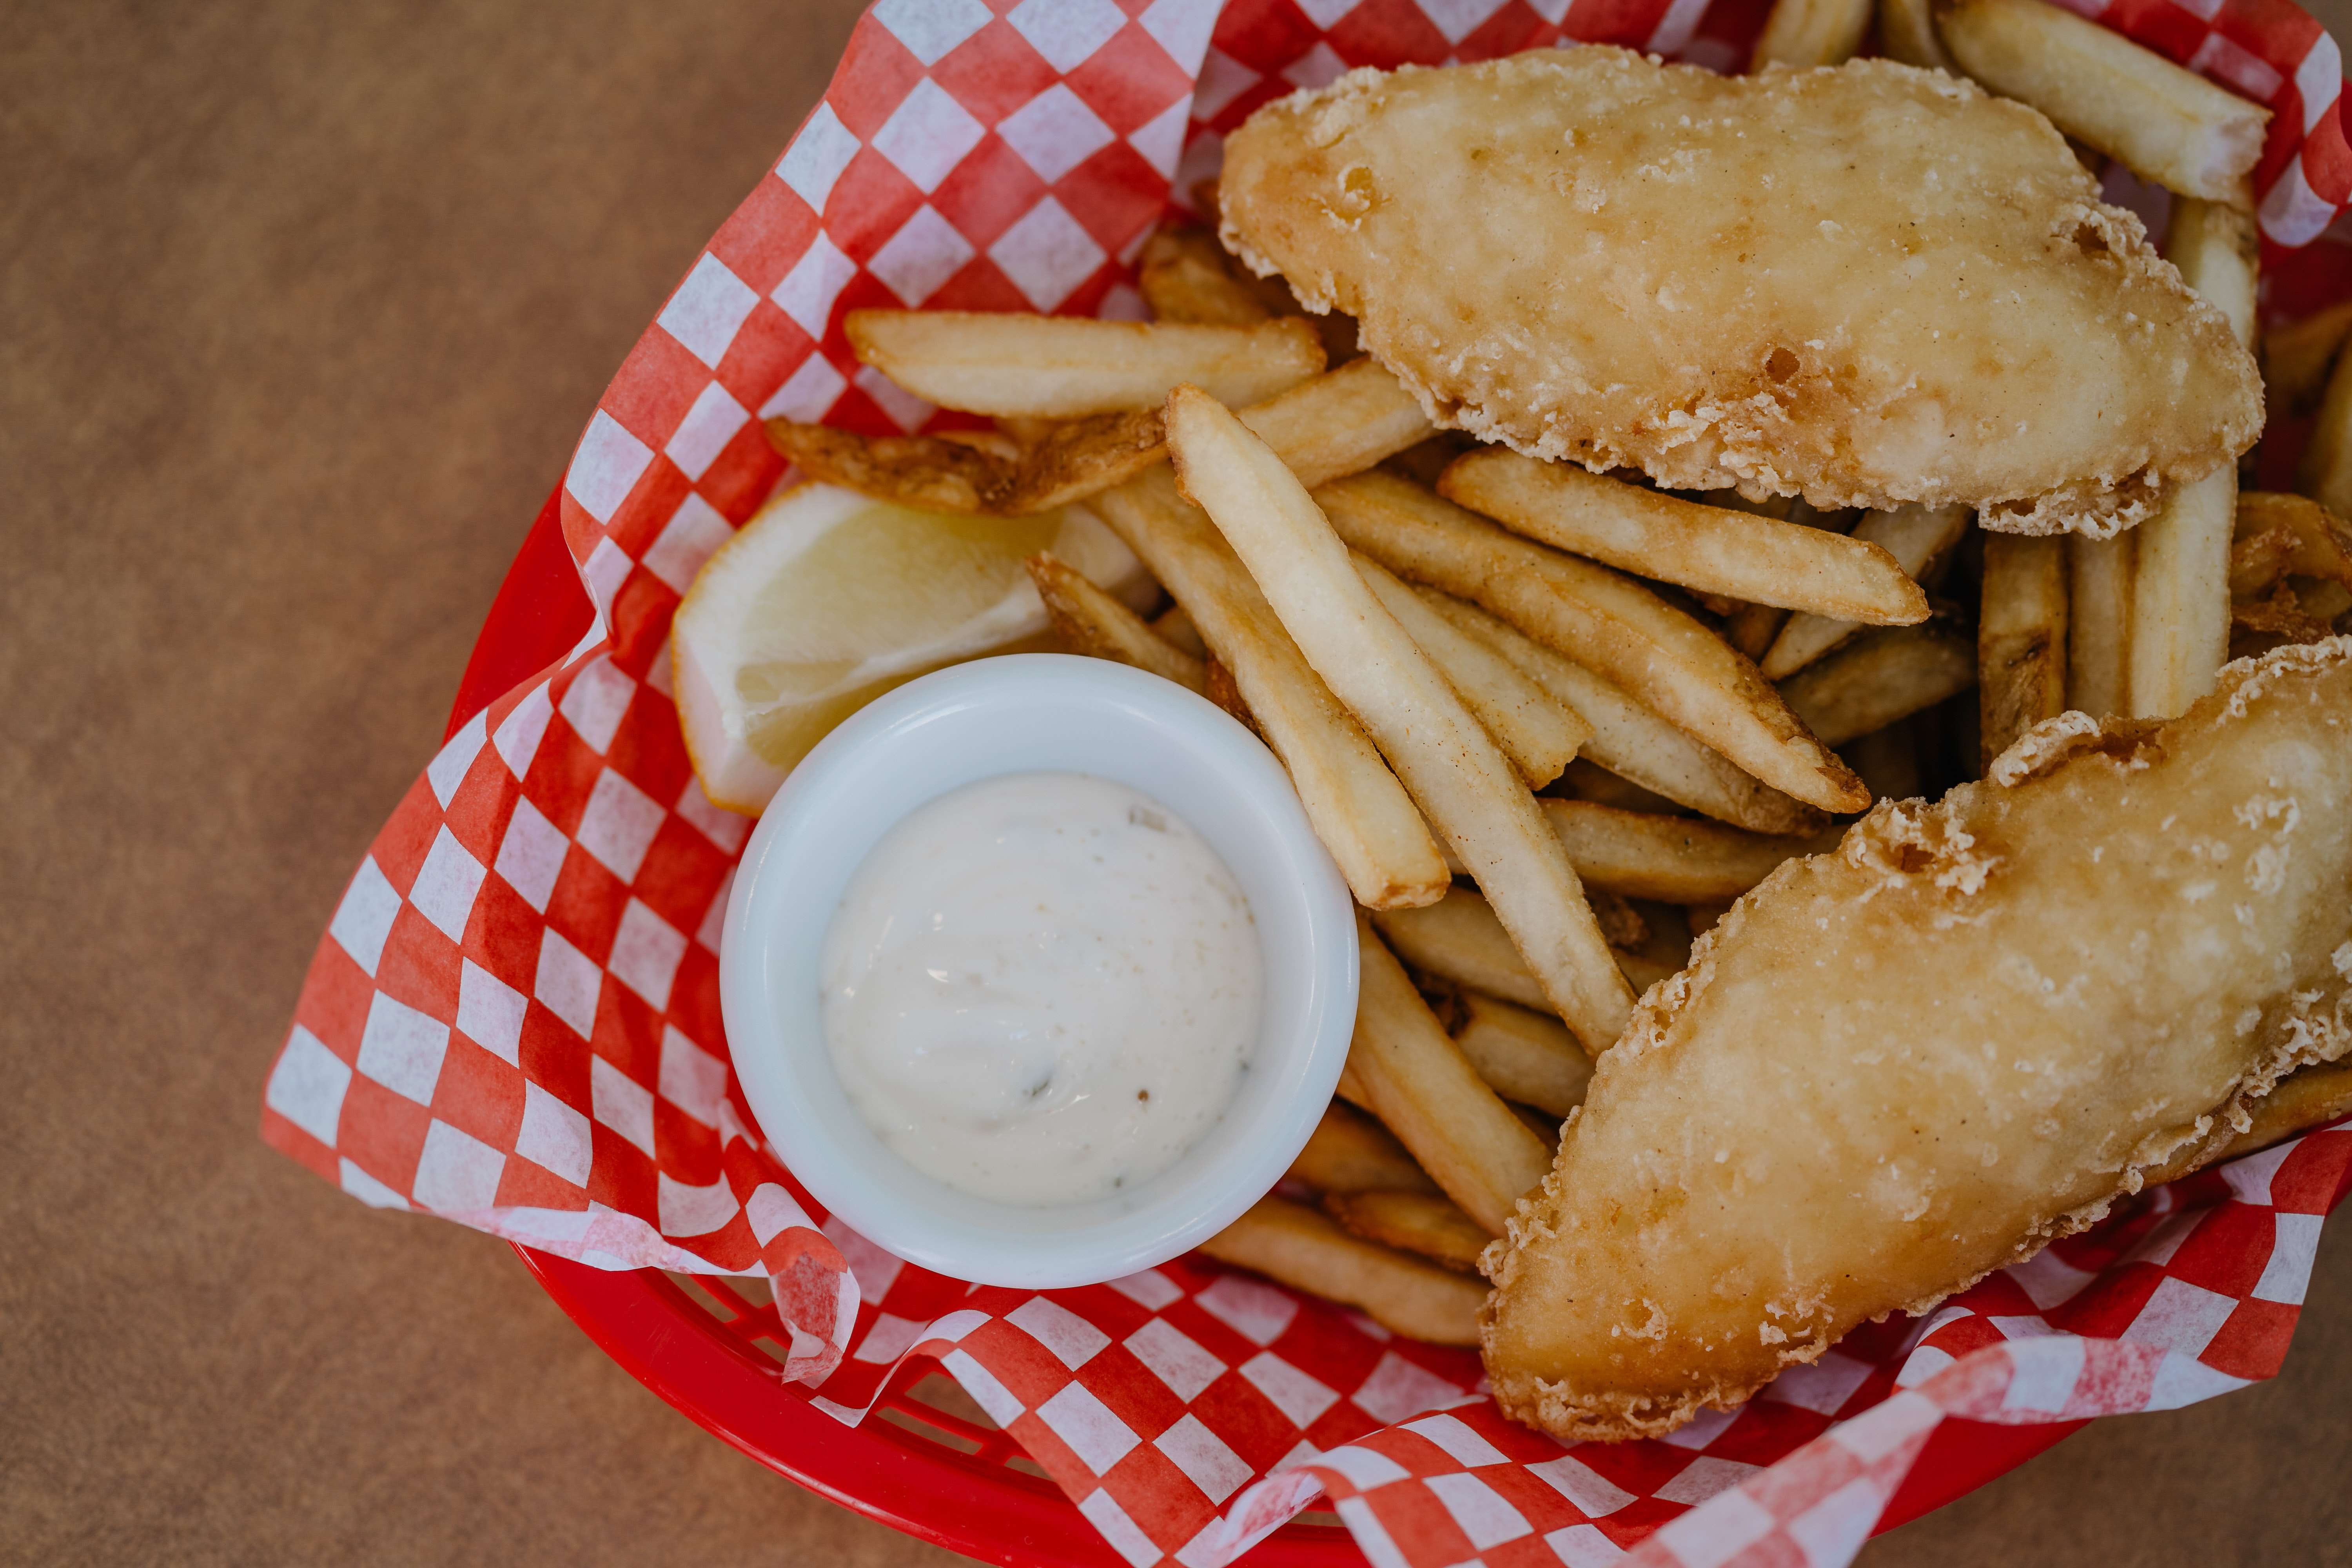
[[1898, 1066], [1866, 284]]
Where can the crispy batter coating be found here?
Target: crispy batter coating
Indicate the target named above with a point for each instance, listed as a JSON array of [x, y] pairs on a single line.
[[1866, 284], [1898, 1066]]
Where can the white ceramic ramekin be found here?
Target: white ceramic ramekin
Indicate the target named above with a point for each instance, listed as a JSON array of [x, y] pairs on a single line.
[[1024, 714]]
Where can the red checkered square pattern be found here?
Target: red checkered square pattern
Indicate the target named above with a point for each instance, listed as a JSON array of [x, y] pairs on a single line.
[[2185, 1293], [513, 1019], [2189, 1293], [1156, 1401]]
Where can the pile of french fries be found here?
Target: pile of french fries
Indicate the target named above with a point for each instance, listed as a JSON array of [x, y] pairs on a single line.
[[1550, 724]]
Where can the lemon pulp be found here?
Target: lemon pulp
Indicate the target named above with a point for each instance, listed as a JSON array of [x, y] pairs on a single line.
[[827, 599]]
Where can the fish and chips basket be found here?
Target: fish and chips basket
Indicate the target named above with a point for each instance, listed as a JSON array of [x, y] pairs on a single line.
[[513, 1019]]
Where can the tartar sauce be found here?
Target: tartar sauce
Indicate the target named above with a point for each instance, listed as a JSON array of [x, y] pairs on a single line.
[[1041, 988]]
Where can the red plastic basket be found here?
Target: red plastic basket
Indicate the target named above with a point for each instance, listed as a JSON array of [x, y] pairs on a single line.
[[927, 1461]]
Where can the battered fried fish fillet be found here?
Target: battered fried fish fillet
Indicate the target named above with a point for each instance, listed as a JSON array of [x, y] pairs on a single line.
[[1866, 285], [1898, 1066]]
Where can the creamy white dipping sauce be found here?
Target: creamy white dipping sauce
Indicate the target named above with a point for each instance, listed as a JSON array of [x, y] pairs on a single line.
[[1041, 988]]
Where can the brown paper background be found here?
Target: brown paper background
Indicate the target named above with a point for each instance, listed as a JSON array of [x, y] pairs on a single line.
[[301, 307]]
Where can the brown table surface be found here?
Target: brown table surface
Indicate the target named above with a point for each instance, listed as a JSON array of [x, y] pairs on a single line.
[[301, 307]]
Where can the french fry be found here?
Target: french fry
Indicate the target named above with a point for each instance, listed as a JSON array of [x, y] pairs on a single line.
[[1752, 628], [1019, 434], [1090, 622], [2322, 544], [1066, 367], [1300, 1248], [1705, 918], [2170, 126], [2021, 639], [1458, 939], [1721, 606], [1637, 747], [1337, 329], [1537, 733], [1011, 437], [1422, 462], [1605, 621], [1545, 1128], [1673, 859], [1417, 1081], [1432, 1228], [1074, 459], [1587, 780], [1804, 33], [2293, 550], [2325, 601], [1620, 923], [2297, 357], [1670, 938], [1069, 461], [1642, 970], [1920, 538], [1444, 757], [1218, 685], [1888, 760], [1907, 33], [2098, 623], [1326, 426], [2180, 580], [1358, 810], [1177, 626], [2258, 561], [1184, 279], [1351, 1152], [1340, 423], [923, 471], [2263, 625], [1710, 549], [2216, 249], [1881, 677], [1523, 1055], [1780, 508], [1341, 336], [2325, 471]]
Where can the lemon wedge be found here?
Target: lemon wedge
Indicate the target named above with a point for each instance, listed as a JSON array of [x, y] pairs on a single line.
[[827, 599]]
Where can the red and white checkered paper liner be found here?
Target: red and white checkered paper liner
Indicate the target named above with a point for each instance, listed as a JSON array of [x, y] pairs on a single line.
[[513, 1021]]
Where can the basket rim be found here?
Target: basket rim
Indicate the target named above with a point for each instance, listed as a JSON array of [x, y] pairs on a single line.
[[539, 615]]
